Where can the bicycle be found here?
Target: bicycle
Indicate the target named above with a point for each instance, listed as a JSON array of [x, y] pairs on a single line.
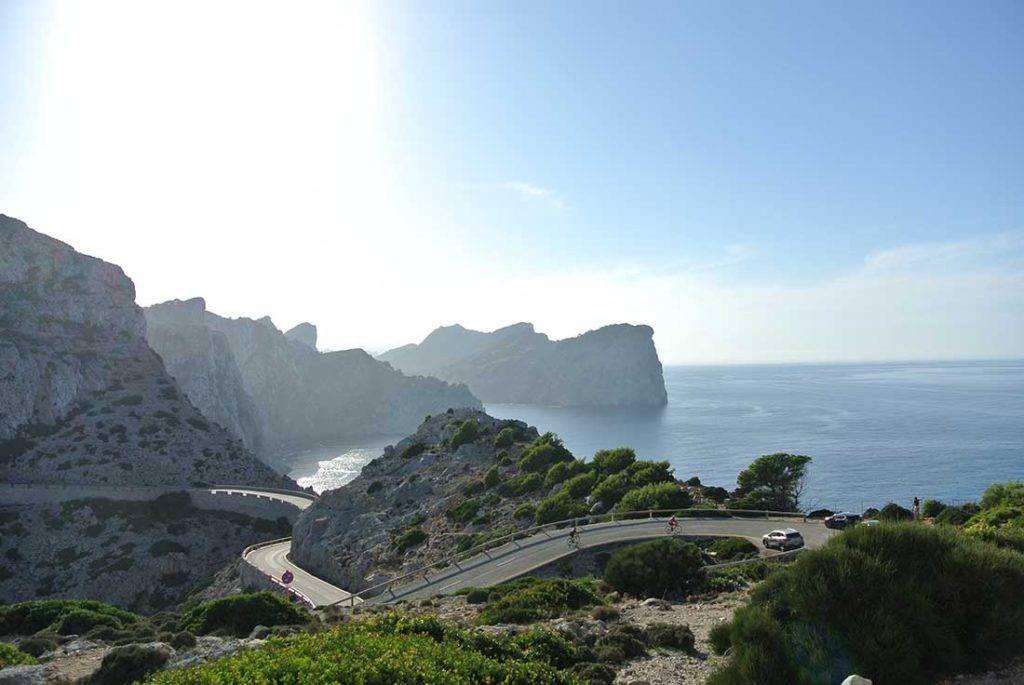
[[574, 539], [671, 527]]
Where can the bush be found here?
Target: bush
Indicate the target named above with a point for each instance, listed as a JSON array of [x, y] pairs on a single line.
[[543, 453], [12, 656], [613, 461], [727, 549], [409, 539], [477, 595], [620, 643], [38, 645], [492, 477], [26, 618], [562, 471], [648, 472], [1011, 492], [580, 486], [894, 512], [129, 664], [81, 621], [609, 491], [464, 511], [720, 637], [413, 450], [954, 516], [521, 484], [505, 437], [395, 649], [605, 613], [531, 599], [560, 507], [773, 481], [883, 594], [525, 511], [932, 508], [594, 674], [239, 614], [467, 432], [661, 567], [716, 494], [183, 640], [541, 644], [669, 635], [655, 496], [999, 516]]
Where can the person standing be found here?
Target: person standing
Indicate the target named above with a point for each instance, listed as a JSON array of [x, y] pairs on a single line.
[[917, 508]]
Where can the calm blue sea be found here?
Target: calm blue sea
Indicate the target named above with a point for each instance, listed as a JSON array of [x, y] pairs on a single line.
[[876, 432]]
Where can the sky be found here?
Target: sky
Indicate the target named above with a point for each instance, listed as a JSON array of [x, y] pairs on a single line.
[[758, 181]]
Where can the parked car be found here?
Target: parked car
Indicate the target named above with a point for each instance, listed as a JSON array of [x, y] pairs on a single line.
[[842, 520], [785, 539]]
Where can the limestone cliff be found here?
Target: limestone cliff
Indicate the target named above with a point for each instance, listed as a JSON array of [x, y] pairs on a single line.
[[615, 365], [83, 398], [304, 333], [302, 397]]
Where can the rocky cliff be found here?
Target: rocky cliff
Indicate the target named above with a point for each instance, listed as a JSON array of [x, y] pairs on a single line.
[[302, 397], [83, 398], [615, 365]]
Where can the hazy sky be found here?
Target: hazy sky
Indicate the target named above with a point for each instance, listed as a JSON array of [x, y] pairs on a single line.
[[759, 181]]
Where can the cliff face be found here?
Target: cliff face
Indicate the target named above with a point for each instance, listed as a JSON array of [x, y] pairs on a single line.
[[301, 397], [615, 365], [83, 398], [201, 362]]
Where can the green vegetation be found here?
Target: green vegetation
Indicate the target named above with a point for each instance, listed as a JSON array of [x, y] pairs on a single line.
[[562, 471], [560, 507], [532, 599], [669, 636], [520, 485], [492, 477], [894, 512], [613, 461], [468, 431], [464, 511], [505, 437], [525, 511], [26, 618], [543, 452], [658, 568], [876, 601], [413, 450], [129, 664], [12, 656], [728, 549], [581, 485], [932, 508], [655, 496], [773, 481], [239, 614], [409, 539], [394, 648]]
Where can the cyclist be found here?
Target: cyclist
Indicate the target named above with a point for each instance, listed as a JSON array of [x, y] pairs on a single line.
[[574, 537], [673, 524]]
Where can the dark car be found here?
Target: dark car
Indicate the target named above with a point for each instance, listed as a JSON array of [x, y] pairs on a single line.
[[842, 520]]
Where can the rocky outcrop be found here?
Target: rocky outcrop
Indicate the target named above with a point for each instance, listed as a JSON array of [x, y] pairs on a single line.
[[349, 535], [615, 365], [200, 360], [302, 397], [304, 333], [83, 398]]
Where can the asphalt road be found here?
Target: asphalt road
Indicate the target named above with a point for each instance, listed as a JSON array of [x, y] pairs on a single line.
[[300, 501], [273, 560], [519, 558]]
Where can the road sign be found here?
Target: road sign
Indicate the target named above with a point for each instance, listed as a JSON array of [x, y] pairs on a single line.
[[287, 577]]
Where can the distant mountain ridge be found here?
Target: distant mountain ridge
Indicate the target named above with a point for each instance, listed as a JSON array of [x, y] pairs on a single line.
[[83, 398], [616, 365], [301, 397]]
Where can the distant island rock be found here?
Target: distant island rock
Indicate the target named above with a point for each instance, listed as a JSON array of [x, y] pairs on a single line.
[[614, 365], [83, 398], [301, 397]]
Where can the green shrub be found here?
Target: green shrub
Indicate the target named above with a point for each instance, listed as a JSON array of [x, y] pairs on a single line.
[[648, 472], [999, 516], [932, 508], [1011, 492], [655, 496], [409, 539], [1007, 538], [413, 450], [183, 640], [530, 599], [560, 507], [473, 487], [609, 491], [720, 637], [464, 511], [605, 613], [543, 452], [727, 549], [666, 566], [467, 432], [894, 512], [522, 484], [669, 635], [613, 461], [395, 649], [37, 645], [26, 618], [477, 595], [773, 482], [12, 656], [239, 614], [492, 477], [81, 621], [621, 642], [715, 494], [375, 486], [525, 511], [164, 547], [580, 486], [594, 674], [954, 516], [562, 471], [882, 593], [541, 644], [129, 664], [505, 437]]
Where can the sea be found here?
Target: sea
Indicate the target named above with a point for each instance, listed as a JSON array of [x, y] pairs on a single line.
[[876, 433]]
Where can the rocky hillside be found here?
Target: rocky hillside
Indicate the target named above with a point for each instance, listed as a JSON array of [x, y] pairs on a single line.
[[612, 366], [83, 398], [302, 397]]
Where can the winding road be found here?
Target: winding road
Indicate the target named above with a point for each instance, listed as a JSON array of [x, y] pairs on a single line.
[[507, 561]]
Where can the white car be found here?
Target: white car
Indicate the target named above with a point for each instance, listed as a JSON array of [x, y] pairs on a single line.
[[784, 539]]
